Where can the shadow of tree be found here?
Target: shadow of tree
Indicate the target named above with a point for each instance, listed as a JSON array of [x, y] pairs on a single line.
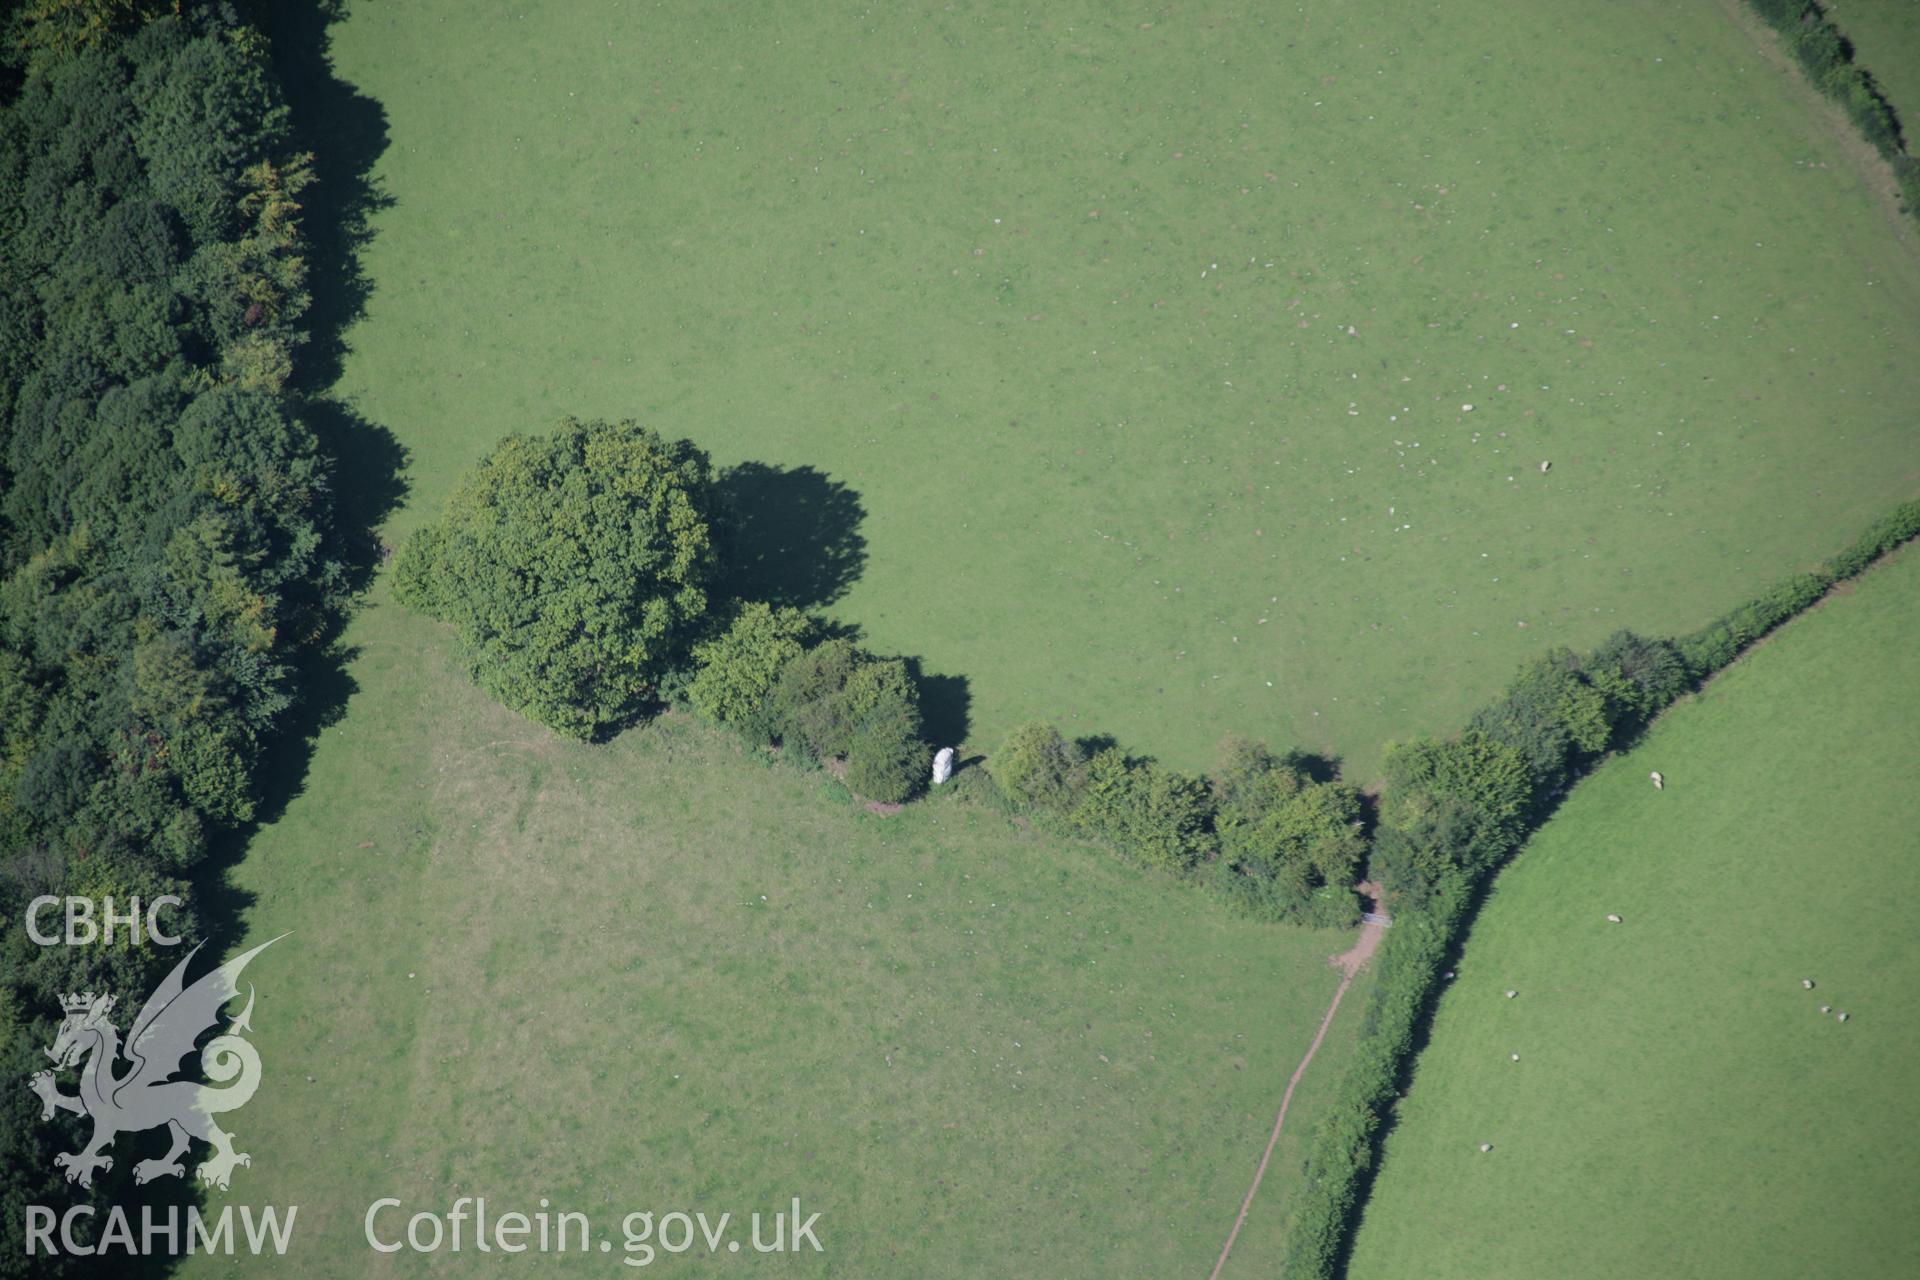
[[1094, 743], [792, 535], [346, 131], [1315, 766], [945, 705]]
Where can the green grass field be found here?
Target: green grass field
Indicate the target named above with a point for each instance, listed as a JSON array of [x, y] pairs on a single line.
[[1064, 301], [1886, 41], [656, 975], [1064, 295], [1680, 1106]]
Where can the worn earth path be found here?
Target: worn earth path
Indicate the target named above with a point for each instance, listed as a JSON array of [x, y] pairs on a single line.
[[1349, 962]]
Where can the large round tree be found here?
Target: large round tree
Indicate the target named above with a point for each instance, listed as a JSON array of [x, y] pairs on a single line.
[[575, 567]]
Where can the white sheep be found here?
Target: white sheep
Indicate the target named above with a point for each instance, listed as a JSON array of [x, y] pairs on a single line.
[[1659, 783], [1826, 1008], [1843, 1017], [1545, 467], [1512, 994], [1514, 1056], [1612, 919], [1485, 1147], [1807, 983]]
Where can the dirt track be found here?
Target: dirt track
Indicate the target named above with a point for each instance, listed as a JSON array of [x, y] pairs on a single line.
[[1349, 962]]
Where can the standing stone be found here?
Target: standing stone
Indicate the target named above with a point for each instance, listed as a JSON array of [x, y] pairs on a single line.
[[942, 765]]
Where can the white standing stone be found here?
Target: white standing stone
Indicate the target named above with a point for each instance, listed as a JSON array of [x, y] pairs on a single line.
[[942, 765]]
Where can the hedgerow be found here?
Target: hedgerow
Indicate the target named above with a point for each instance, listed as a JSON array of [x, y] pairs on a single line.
[[1456, 810], [833, 701], [1714, 645], [735, 672], [1259, 833], [1827, 58]]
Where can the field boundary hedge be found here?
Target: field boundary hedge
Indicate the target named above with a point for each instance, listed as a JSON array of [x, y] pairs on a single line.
[[1344, 1157], [1826, 55]]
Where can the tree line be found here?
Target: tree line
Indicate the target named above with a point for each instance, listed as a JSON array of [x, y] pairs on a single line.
[[166, 539]]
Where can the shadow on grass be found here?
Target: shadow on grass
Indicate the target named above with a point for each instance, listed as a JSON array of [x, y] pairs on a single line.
[[945, 705], [793, 535], [346, 131]]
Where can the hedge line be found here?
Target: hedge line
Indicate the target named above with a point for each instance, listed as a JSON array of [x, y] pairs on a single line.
[[1406, 968], [1444, 832], [1261, 832], [1827, 57], [771, 676]]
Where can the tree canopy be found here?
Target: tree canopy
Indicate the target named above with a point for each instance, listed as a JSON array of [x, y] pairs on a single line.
[[166, 524], [575, 567]]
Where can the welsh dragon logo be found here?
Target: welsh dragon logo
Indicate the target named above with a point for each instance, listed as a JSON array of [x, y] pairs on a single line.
[[145, 1097]]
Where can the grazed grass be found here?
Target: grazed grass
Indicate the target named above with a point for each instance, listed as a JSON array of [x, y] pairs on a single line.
[[657, 975], [1130, 469], [1681, 1107], [1098, 483]]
